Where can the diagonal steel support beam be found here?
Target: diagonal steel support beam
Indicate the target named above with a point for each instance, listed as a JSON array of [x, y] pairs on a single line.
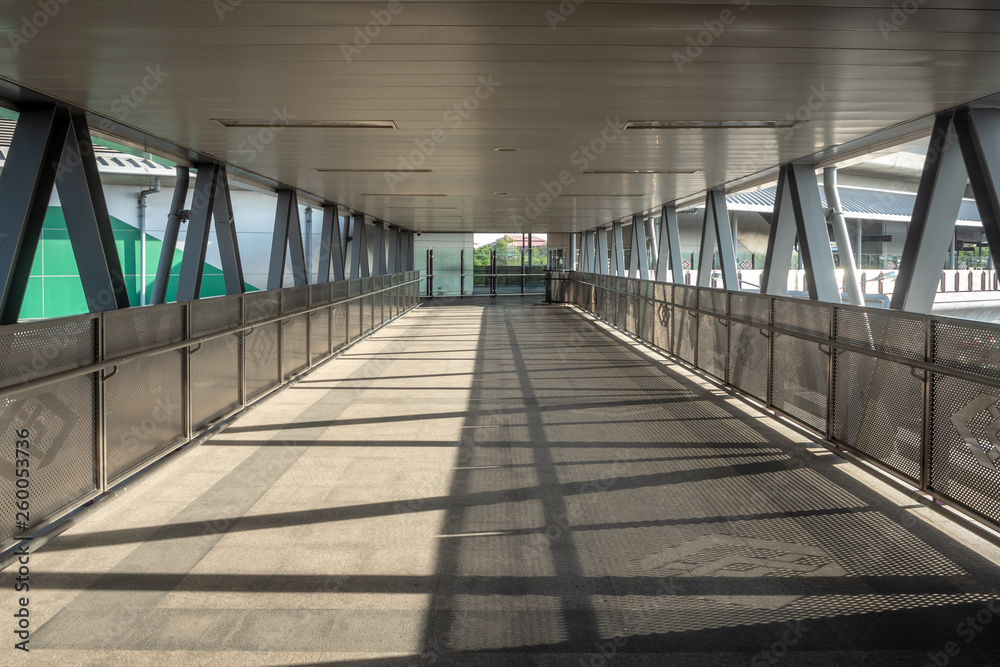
[[602, 251], [638, 257], [932, 225], [979, 136], [329, 244], [25, 189], [668, 254], [196, 243], [359, 248], [780, 241], [88, 222], [287, 236], [392, 263], [617, 251], [716, 232], [378, 249], [225, 232]]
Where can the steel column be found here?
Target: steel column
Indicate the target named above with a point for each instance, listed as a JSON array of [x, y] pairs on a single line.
[[225, 232], [393, 259], [781, 240], [814, 240], [359, 248], [650, 228], [196, 244], [618, 251], [939, 198], [169, 247], [88, 222], [25, 189], [638, 257], [327, 243]]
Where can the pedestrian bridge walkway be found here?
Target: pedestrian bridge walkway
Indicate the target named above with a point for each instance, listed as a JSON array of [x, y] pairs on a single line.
[[496, 482]]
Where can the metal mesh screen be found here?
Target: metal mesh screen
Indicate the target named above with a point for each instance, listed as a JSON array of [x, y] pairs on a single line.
[[377, 307], [686, 330], [37, 349], [686, 295], [802, 317], [877, 410], [136, 329], [258, 306], [338, 325], [338, 291], [973, 348], [261, 359], [647, 319], [965, 444], [882, 331], [712, 301], [216, 314], [799, 381], [214, 380], [354, 319], [750, 307], [319, 334], [60, 420], [294, 299], [366, 314], [713, 341], [144, 411], [294, 335], [748, 346], [319, 295]]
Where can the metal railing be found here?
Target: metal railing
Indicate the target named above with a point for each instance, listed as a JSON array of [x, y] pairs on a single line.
[[87, 401], [916, 395]]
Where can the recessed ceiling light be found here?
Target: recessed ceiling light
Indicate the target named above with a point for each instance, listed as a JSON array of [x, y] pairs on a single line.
[[314, 124], [422, 208], [641, 171], [506, 150], [370, 171], [710, 124], [501, 193], [601, 196], [394, 194]]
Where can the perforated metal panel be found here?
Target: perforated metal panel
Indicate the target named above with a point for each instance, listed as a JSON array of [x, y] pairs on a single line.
[[802, 317], [713, 341], [214, 380], [294, 299], [378, 316], [686, 331], [973, 347], [259, 306], [319, 295], [144, 408], [355, 319], [748, 370], [663, 326], [881, 330], [799, 380], [319, 334], [631, 307], [339, 325], [685, 295], [261, 359], [137, 329], [61, 424], [750, 307], [366, 314], [965, 444], [294, 336], [713, 301], [37, 349], [338, 291], [647, 318], [216, 314], [877, 410]]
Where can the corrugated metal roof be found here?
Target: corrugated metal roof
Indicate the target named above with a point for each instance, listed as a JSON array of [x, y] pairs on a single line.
[[857, 202]]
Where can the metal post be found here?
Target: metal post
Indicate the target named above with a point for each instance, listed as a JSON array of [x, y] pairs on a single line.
[[461, 262], [602, 252], [844, 250], [572, 252], [196, 246], [618, 251], [309, 229], [522, 263], [169, 246], [493, 272], [430, 272], [638, 258], [225, 233]]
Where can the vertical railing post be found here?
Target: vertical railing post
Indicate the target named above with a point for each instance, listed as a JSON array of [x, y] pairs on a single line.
[[927, 436], [102, 425], [461, 263], [242, 361], [188, 425], [832, 353]]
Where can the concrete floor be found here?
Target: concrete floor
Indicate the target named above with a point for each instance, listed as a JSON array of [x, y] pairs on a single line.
[[507, 483]]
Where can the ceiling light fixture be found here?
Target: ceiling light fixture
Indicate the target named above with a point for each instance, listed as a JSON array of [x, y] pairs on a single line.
[[598, 196], [506, 150], [710, 124], [370, 171], [396, 194], [311, 124], [616, 172]]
